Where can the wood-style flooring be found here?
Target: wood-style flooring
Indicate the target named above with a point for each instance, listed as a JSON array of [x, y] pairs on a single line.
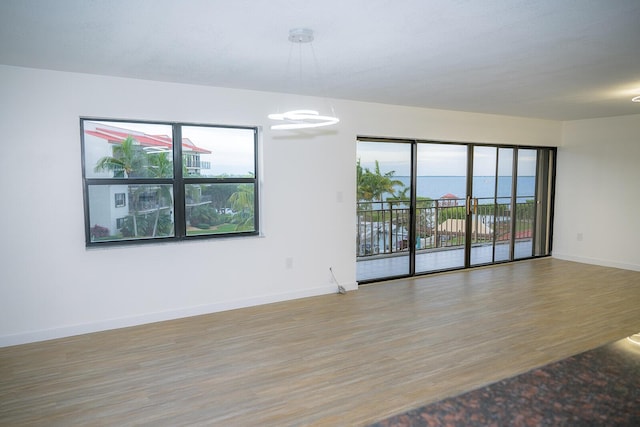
[[337, 360]]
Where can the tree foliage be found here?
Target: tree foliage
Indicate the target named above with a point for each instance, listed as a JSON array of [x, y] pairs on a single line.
[[127, 158], [130, 160], [159, 165], [373, 185], [242, 201], [452, 212]]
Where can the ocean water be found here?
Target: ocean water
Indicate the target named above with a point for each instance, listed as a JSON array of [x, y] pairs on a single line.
[[435, 187]]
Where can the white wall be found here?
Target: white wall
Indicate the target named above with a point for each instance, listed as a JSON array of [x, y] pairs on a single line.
[[52, 286], [598, 192]]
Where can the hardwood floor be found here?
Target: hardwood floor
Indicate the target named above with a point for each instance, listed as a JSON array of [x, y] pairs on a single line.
[[330, 360]]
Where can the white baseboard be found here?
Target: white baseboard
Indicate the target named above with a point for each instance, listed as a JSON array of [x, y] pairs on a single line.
[[85, 328], [597, 261]]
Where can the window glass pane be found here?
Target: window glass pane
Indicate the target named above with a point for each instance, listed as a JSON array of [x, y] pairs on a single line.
[[219, 208], [484, 174], [127, 150], [505, 172], [526, 173], [123, 212], [502, 222], [443, 160], [218, 152], [525, 203]]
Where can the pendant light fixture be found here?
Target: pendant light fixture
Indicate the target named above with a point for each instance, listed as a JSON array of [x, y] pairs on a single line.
[[302, 118]]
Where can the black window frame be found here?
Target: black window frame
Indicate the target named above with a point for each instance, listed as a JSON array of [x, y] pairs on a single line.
[[178, 183]]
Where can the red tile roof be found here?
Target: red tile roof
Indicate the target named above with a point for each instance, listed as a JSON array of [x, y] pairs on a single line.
[[161, 141]]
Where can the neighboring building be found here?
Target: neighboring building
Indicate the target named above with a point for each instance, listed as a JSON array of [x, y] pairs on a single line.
[[110, 204], [457, 227], [149, 143], [448, 200]]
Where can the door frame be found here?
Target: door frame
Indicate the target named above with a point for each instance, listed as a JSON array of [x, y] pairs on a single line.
[[546, 163]]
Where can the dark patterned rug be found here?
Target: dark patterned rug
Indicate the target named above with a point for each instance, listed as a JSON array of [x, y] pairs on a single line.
[[600, 387]]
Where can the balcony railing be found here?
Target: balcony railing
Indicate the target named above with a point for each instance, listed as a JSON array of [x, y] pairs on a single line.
[[383, 227]]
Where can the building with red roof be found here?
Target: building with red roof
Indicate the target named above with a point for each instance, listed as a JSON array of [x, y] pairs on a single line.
[[449, 200]]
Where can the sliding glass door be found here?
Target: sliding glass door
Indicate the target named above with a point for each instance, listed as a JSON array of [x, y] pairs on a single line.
[[490, 200], [384, 209], [441, 206], [426, 206]]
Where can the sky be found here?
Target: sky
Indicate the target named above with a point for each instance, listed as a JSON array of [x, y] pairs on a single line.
[[232, 149], [443, 159]]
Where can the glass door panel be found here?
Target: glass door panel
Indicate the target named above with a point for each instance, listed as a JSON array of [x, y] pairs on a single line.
[[502, 219], [483, 205], [525, 211], [441, 188], [383, 210]]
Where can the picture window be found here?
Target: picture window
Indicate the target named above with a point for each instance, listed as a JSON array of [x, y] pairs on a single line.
[[205, 186]]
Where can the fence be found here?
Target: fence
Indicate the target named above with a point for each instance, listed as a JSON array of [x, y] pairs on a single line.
[[383, 227]]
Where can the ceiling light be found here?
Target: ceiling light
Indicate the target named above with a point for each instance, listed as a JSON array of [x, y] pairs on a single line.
[[302, 118], [635, 99]]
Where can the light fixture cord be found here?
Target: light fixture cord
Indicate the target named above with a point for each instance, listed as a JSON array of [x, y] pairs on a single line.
[[319, 80], [288, 87]]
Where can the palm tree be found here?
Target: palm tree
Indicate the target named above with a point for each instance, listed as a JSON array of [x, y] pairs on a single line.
[[131, 161], [373, 185], [243, 201], [384, 183], [362, 191], [160, 166], [127, 158], [401, 196]]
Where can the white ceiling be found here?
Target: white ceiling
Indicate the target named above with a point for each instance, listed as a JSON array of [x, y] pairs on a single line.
[[552, 59]]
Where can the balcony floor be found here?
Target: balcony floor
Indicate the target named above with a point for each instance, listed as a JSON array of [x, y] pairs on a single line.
[[378, 267]]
